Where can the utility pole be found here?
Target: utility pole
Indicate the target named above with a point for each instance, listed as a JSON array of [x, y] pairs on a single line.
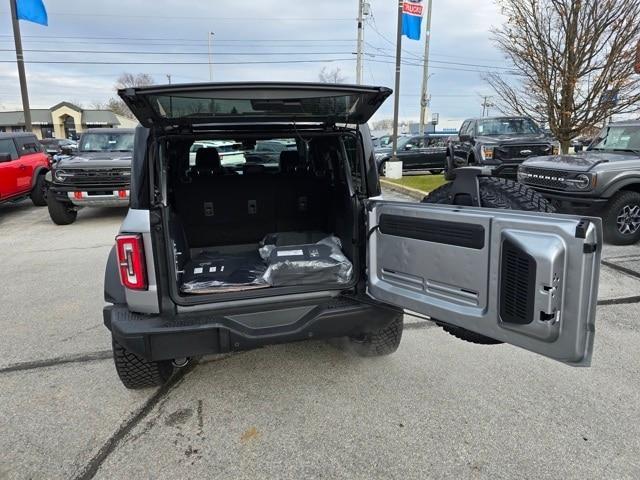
[[360, 46], [396, 93], [209, 35], [169, 78], [20, 61], [486, 105], [424, 99]]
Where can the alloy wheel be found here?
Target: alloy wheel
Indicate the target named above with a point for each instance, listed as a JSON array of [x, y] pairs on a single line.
[[628, 220]]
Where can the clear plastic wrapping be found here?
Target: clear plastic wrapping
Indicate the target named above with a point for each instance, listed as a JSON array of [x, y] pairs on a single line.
[[213, 273], [318, 263]]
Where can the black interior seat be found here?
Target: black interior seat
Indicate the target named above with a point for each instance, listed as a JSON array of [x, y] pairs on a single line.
[[207, 163]]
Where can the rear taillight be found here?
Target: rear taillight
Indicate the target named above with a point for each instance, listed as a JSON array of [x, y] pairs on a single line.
[[133, 273]]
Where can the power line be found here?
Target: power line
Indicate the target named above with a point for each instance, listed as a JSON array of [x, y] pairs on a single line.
[[256, 54], [131, 52], [83, 62], [200, 17], [83, 37]]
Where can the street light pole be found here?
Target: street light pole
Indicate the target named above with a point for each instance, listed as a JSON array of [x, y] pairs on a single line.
[[20, 61], [424, 99], [209, 35], [396, 104], [360, 41]]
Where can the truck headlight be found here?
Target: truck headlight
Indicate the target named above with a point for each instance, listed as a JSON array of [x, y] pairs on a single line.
[[555, 149], [582, 182], [379, 156], [487, 152], [60, 175]]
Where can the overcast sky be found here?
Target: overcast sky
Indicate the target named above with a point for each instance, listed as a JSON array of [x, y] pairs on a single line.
[[321, 33]]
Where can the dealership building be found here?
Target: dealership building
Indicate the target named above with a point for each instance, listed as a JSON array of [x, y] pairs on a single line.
[[64, 120]]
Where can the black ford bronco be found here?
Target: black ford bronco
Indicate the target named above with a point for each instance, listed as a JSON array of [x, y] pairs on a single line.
[[217, 257]]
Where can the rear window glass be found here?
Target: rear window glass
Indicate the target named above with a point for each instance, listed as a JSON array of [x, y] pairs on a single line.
[[173, 106]]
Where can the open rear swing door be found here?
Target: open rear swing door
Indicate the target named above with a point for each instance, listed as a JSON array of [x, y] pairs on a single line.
[[525, 278]]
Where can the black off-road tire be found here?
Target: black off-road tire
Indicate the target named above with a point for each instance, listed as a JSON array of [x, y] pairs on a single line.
[[136, 372], [494, 193], [381, 168], [61, 213], [381, 342], [436, 171], [614, 208], [39, 192], [498, 193]]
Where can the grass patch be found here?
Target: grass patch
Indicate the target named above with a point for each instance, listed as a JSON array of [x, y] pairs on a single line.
[[425, 183]]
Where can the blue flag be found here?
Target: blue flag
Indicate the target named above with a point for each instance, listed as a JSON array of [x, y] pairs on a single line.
[[32, 11], [412, 18]]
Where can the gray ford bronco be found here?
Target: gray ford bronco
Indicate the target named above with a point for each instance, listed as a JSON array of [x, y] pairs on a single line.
[[216, 258], [604, 181]]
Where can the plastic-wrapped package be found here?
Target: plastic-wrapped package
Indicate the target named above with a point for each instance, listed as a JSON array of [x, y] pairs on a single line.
[[283, 239], [215, 273], [317, 263]]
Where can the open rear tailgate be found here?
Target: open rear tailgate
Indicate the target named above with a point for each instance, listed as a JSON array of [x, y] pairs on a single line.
[[238, 103]]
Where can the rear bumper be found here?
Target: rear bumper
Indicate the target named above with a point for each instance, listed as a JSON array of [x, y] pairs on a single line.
[[188, 335]]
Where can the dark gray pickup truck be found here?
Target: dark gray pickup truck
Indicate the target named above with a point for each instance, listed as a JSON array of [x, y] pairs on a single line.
[[98, 174], [501, 143], [604, 181]]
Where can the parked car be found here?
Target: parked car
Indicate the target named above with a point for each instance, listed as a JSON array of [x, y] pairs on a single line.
[[501, 143], [23, 166], [56, 146], [604, 180], [217, 262], [98, 175], [268, 151], [231, 153], [417, 152], [580, 143]]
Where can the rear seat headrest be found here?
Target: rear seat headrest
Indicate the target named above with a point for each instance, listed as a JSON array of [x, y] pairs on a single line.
[[208, 160], [289, 161], [253, 169]]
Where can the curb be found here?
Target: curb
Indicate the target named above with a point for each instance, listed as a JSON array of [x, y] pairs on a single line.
[[408, 191]]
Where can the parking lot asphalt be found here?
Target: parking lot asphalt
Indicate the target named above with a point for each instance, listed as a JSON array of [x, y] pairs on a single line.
[[437, 408]]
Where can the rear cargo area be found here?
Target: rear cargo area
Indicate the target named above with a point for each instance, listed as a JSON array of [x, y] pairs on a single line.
[[283, 219]]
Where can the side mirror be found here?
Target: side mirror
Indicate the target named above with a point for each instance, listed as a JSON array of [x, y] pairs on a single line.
[[66, 150], [464, 138], [5, 157]]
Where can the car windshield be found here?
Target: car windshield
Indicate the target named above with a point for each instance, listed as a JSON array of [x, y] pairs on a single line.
[[507, 126], [107, 142], [618, 139]]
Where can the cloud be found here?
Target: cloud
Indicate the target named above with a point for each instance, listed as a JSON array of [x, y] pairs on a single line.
[[460, 33]]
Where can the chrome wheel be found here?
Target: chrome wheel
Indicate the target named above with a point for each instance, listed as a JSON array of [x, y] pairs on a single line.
[[628, 220]]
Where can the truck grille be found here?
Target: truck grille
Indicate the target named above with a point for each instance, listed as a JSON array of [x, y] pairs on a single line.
[[111, 176], [521, 152], [542, 177]]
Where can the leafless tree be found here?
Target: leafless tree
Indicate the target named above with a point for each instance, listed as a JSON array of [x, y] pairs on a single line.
[[574, 61], [331, 76], [127, 80]]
